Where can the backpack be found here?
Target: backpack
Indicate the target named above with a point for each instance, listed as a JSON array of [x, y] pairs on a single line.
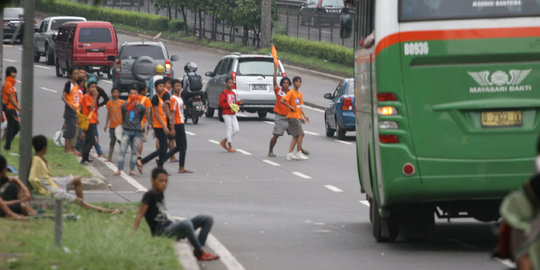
[[195, 82]]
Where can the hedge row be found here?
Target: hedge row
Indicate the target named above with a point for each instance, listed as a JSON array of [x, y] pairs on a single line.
[[96, 13], [322, 50]]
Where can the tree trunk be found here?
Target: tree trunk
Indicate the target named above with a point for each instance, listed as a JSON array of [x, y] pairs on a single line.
[[194, 21], [266, 23], [200, 25], [231, 34], [185, 19], [214, 27], [245, 36], [169, 11]]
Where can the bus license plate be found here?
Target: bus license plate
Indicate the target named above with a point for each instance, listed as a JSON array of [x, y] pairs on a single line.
[[501, 119]]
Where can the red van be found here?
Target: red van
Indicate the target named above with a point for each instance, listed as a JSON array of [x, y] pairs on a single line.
[[92, 45]]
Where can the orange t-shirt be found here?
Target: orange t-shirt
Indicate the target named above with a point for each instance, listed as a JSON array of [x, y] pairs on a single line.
[[9, 88], [158, 102], [280, 108], [294, 98], [177, 107], [86, 104], [145, 101], [73, 94], [115, 112]]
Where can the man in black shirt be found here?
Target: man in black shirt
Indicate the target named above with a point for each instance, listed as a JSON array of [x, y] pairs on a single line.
[[14, 193], [161, 224]]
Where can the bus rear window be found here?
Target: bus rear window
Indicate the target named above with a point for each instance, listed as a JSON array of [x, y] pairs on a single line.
[[428, 10]]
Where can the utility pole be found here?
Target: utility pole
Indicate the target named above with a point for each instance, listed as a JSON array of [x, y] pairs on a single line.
[[1, 58], [266, 23], [27, 93]]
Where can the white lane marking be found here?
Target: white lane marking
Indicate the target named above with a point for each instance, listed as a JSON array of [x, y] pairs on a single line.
[[333, 188], [244, 152], [129, 179], [191, 133], [506, 263], [213, 141], [268, 122], [270, 162], [50, 90], [313, 109], [364, 202], [19, 81], [185, 256], [225, 255], [109, 192], [38, 66], [343, 142], [311, 133], [322, 231], [107, 81], [241, 114], [299, 174], [10, 60]]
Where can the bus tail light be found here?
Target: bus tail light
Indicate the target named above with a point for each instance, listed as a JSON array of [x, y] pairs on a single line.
[[386, 97], [408, 169], [386, 110], [388, 125], [233, 75], [388, 139], [347, 104]]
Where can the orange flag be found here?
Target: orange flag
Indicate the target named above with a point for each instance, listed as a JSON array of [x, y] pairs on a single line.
[[274, 55]]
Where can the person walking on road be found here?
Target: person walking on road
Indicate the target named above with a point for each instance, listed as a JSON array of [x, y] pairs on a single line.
[[296, 117], [132, 114], [90, 108], [151, 82], [11, 106], [153, 209], [72, 98], [114, 119], [146, 123], [177, 110], [228, 103], [160, 110], [280, 123]]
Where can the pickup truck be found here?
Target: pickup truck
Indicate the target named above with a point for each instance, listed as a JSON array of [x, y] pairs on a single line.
[[43, 38]]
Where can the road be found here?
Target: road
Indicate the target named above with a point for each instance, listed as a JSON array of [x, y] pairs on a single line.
[[269, 212]]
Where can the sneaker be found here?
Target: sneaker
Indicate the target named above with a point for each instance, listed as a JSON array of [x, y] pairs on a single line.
[[301, 156], [208, 257], [291, 156]]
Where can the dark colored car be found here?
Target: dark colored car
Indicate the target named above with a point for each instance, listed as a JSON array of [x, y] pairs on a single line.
[[12, 20], [92, 45], [316, 12], [339, 113]]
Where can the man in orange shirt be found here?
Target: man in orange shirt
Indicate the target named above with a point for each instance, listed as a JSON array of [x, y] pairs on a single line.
[[280, 123], [11, 106], [114, 117], [89, 108], [146, 122], [177, 110], [296, 117], [71, 98]]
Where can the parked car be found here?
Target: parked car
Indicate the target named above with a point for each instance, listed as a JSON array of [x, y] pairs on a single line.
[[339, 113], [316, 12], [12, 20], [92, 45], [137, 62], [252, 75], [43, 38]]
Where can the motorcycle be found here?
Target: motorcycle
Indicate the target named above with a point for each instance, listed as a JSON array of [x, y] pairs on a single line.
[[194, 107]]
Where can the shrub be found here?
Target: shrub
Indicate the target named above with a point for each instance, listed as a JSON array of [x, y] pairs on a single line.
[[176, 25], [323, 50]]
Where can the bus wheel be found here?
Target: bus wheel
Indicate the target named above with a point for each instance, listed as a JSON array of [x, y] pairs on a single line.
[[416, 222], [384, 230]]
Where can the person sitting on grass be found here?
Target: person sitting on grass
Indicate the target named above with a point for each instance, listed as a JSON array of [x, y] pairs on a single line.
[[43, 183], [14, 193], [161, 224], [6, 212]]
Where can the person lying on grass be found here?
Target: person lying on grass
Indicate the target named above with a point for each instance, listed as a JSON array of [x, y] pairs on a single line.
[[13, 192], [43, 183], [161, 224]]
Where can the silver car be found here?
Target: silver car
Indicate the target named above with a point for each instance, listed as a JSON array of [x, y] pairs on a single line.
[[253, 75], [43, 38], [137, 63]]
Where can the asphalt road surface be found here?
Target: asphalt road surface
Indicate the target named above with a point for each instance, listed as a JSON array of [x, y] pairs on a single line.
[[269, 212]]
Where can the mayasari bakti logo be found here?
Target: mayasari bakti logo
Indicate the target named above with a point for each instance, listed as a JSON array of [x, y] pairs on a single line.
[[500, 81]]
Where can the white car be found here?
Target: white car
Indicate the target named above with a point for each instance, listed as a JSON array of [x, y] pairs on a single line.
[[43, 38]]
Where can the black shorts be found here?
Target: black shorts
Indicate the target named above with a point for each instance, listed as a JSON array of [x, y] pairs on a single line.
[[70, 123], [14, 207], [9, 191]]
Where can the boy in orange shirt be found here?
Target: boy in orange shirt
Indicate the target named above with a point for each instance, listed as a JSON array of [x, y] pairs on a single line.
[[296, 117], [89, 108], [11, 106], [280, 123], [114, 118], [146, 124]]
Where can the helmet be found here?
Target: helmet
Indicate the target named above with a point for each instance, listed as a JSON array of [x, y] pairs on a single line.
[[159, 69], [190, 67], [92, 79]]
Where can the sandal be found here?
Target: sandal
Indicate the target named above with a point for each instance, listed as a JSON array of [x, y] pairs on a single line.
[[185, 171], [139, 166]]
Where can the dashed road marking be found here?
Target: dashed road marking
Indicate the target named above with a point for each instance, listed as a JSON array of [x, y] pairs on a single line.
[[244, 152], [10, 60], [191, 133], [311, 133], [50, 90], [313, 109], [271, 162], [333, 188], [343, 142], [43, 67], [241, 114], [268, 122], [322, 231], [364, 202], [299, 174], [213, 141], [107, 81]]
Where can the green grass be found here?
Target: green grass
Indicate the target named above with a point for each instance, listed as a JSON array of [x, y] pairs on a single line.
[[61, 164], [95, 241]]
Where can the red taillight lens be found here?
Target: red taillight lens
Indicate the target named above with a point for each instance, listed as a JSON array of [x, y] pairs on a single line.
[[347, 104], [233, 75], [168, 65], [35, 23], [118, 66], [388, 139], [408, 169], [5, 23], [386, 97]]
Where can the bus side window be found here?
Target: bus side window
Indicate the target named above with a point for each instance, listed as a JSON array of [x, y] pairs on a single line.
[[366, 21]]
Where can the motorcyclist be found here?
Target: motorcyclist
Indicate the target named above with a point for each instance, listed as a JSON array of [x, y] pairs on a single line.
[[150, 82], [191, 70]]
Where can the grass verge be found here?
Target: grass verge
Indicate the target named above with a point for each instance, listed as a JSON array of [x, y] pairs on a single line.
[[95, 241], [61, 164]]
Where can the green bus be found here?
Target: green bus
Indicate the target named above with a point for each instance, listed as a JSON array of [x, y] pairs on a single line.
[[447, 107]]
